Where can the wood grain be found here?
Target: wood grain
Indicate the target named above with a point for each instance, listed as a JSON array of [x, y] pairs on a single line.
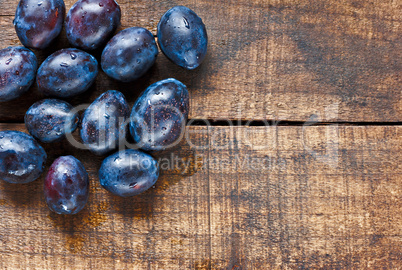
[[238, 198], [279, 59], [272, 197]]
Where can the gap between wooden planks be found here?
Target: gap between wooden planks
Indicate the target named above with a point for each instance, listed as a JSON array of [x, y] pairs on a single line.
[[289, 60], [237, 198]]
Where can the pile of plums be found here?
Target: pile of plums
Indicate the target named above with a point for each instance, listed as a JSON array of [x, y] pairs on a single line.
[[157, 118]]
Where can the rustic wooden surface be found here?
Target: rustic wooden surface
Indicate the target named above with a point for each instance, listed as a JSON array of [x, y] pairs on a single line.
[[283, 60], [245, 197], [254, 198]]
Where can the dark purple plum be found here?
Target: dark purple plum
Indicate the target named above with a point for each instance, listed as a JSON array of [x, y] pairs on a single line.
[[104, 122], [66, 186], [66, 73], [182, 37], [49, 120], [159, 116], [22, 159], [129, 54], [18, 67], [39, 22], [128, 173], [91, 23]]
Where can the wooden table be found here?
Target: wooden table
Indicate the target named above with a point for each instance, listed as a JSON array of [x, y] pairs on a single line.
[[258, 188]]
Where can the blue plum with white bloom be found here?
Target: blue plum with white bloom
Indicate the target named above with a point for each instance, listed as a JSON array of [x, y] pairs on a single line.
[[159, 115], [182, 37], [104, 122], [39, 22], [66, 73], [22, 159], [129, 54], [66, 186], [128, 173], [18, 67], [49, 120], [91, 23]]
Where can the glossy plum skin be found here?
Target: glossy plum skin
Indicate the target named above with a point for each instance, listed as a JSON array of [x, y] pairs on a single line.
[[22, 159], [128, 173], [104, 122], [39, 22], [66, 186], [182, 37], [129, 54], [66, 73], [18, 67], [49, 120], [159, 116], [91, 23]]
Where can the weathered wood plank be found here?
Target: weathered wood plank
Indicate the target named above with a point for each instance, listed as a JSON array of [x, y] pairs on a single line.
[[291, 207], [276, 59], [250, 198], [166, 227]]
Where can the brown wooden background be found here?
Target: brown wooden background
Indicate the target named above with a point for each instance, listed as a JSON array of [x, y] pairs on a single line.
[[252, 196]]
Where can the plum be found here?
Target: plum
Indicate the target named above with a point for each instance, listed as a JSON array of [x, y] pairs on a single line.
[[159, 116], [66, 186], [91, 23], [182, 37], [39, 22], [104, 122], [18, 67], [66, 73], [128, 173], [129, 54], [49, 120], [22, 159]]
